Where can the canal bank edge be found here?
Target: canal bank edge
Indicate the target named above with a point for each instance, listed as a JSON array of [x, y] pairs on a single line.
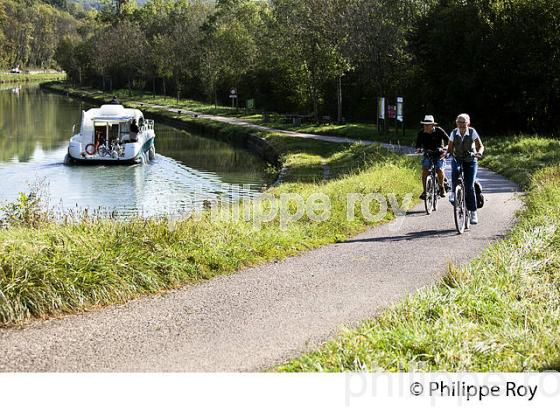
[[233, 134], [30, 78]]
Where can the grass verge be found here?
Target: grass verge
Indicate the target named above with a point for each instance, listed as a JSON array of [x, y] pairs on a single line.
[[47, 268], [499, 313], [20, 78]]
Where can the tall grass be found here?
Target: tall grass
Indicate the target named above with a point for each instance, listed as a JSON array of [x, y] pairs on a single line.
[[519, 157], [501, 312], [59, 268], [21, 78]]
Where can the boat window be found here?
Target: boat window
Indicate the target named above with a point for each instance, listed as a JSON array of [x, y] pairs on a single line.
[[125, 127], [114, 132], [99, 135]]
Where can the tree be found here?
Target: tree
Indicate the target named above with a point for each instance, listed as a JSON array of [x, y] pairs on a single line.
[[117, 58], [503, 69], [313, 37], [230, 46]]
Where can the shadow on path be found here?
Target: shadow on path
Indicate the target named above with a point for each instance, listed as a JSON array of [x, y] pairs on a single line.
[[409, 236]]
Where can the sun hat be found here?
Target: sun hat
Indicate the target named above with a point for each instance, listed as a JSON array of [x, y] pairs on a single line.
[[428, 119]]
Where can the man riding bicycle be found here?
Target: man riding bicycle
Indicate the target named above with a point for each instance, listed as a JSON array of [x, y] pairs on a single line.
[[466, 147], [432, 140]]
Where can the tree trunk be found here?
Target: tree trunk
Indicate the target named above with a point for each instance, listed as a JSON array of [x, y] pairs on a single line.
[[103, 78], [237, 97], [314, 97], [129, 90], [315, 104], [111, 83], [164, 88], [154, 87], [339, 99]]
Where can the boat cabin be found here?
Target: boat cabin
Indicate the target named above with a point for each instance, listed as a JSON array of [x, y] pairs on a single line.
[[110, 124]]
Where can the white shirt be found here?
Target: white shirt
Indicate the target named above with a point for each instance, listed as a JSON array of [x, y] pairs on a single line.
[[458, 133]]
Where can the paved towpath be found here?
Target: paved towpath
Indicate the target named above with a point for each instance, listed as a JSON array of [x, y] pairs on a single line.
[[262, 316], [242, 123]]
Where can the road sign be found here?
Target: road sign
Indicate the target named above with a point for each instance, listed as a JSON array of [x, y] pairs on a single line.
[[381, 108], [392, 111], [400, 113]]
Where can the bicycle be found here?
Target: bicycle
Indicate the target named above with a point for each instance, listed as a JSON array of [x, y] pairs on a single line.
[[103, 151], [460, 212], [114, 151], [431, 187]]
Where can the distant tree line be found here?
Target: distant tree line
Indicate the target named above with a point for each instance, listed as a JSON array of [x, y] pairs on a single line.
[[495, 59], [30, 31]]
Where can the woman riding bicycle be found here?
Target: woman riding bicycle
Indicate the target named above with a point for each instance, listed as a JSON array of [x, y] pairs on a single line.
[[432, 140], [466, 147]]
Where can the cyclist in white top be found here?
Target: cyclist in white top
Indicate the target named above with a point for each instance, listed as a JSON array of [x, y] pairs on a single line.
[[466, 147]]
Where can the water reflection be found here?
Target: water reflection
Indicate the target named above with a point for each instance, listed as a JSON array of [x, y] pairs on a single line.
[[34, 130], [31, 118]]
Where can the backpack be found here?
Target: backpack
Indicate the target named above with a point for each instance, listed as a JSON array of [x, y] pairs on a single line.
[[478, 194]]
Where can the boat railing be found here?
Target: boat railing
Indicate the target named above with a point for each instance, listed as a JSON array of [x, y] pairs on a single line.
[[148, 125]]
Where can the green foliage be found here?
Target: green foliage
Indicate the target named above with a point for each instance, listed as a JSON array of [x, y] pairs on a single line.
[[27, 211], [30, 31], [286, 54], [312, 56], [501, 66], [520, 157]]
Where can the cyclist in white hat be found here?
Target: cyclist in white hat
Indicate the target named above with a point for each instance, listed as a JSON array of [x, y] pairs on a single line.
[[433, 141]]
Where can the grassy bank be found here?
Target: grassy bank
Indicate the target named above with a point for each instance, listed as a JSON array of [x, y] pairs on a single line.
[[21, 78], [47, 268], [499, 313], [359, 131]]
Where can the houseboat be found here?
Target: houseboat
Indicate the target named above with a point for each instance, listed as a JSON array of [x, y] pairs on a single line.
[[112, 134]]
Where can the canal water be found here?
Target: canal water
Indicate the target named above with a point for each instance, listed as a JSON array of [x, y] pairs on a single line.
[[188, 170]]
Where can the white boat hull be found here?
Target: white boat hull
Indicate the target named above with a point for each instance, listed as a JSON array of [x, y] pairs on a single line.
[[107, 135], [134, 152]]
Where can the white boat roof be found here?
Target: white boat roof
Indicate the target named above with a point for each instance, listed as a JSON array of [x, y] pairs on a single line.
[[113, 112]]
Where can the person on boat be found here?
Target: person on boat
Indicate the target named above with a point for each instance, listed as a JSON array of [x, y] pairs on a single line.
[[432, 140], [134, 130], [99, 140], [115, 100]]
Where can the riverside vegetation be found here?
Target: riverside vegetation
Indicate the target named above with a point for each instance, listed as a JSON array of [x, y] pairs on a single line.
[[24, 78], [499, 313], [315, 57], [354, 130], [48, 268]]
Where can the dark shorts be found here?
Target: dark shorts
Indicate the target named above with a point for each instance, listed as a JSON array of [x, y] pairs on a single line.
[[427, 163]]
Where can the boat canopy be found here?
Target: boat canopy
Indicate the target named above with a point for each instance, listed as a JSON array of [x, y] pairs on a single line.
[[108, 113], [112, 112]]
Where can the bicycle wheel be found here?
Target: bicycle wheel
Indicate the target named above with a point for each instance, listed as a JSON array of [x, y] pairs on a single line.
[[436, 194], [429, 200], [103, 151], [459, 209]]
